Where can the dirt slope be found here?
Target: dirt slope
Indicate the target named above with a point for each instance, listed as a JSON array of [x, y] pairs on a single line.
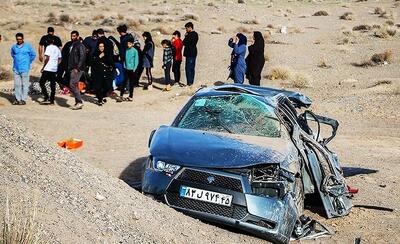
[[66, 188]]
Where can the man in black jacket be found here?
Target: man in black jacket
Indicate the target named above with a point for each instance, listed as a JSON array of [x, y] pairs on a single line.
[[190, 52], [76, 66]]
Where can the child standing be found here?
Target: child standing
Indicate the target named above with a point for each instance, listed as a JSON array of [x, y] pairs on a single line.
[[130, 65], [168, 57], [176, 66]]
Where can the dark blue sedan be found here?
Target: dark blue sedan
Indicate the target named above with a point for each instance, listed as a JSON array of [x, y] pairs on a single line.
[[242, 156]]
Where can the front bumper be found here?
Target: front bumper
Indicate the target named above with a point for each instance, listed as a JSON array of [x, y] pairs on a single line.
[[268, 217]]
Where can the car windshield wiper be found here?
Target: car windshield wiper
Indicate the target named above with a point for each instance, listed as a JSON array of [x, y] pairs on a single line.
[[215, 114]]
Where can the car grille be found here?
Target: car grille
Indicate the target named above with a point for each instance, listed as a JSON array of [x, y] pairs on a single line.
[[219, 180], [234, 211]]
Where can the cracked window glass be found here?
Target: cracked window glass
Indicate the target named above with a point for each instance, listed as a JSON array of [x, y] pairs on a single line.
[[238, 114]]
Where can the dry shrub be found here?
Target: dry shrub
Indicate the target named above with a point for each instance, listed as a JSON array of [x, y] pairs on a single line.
[[250, 22], [379, 10], [211, 4], [279, 73], [323, 64], [321, 13], [19, 225], [300, 81], [347, 16], [362, 28], [120, 17], [380, 58], [242, 29], [190, 16], [388, 15], [317, 42], [381, 82], [5, 75], [156, 20], [133, 23], [377, 59], [64, 18], [385, 32], [161, 13], [389, 22], [221, 29], [108, 22], [98, 17], [271, 26], [149, 12]]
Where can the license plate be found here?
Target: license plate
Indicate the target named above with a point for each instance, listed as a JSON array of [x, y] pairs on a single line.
[[205, 196]]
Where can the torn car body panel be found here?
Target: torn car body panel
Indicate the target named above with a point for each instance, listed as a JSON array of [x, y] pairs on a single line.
[[242, 156]]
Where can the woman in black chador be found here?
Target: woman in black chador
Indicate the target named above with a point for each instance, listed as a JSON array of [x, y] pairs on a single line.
[[255, 60]]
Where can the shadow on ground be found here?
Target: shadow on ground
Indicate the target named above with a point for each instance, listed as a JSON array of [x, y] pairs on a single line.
[[132, 175], [353, 171]]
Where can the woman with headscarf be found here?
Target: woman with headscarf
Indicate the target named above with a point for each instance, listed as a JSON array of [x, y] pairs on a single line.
[[148, 56], [255, 60], [238, 63], [102, 72]]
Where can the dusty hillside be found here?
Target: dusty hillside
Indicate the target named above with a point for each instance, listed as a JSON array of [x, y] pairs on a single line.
[[65, 190]]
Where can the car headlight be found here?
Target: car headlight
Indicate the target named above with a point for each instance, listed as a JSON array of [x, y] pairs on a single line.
[[166, 167]]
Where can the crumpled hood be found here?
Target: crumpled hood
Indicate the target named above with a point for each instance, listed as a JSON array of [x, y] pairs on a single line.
[[194, 148]]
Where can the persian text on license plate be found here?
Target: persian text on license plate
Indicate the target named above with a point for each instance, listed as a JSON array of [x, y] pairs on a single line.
[[206, 196]]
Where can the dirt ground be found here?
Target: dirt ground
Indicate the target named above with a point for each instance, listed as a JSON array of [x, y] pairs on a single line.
[[364, 100]]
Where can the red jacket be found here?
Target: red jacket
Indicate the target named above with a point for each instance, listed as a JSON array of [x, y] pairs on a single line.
[[178, 44]]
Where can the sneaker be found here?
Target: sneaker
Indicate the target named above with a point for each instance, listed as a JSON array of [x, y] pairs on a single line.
[[22, 102], [119, 99], [104, 100], [181, 84], [99, 103], [77, 106], [51, 103], [128, 99], [16, 102]]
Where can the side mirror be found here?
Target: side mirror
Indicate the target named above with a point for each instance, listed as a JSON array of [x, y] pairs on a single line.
[[151, 137]]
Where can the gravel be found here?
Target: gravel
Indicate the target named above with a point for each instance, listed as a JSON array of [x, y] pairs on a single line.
[[78, 203]]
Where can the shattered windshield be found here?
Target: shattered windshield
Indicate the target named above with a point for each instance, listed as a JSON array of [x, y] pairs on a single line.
[[238, 114]]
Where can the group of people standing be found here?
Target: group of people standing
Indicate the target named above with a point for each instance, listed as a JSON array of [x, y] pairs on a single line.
[[250, 66], [102, 62], [105, 63]]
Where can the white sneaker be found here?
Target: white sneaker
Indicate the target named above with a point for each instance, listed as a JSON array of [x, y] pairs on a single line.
[[77, 106]]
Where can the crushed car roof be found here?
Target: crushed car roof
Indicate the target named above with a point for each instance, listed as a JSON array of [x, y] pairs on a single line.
[[298, 99]]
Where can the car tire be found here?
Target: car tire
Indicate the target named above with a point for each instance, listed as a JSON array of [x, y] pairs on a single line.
[[299, 195]]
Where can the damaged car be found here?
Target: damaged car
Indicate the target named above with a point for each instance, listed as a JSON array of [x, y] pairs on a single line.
[[246, 157]]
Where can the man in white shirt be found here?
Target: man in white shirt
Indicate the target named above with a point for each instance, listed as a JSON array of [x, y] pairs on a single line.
[[52, 56]]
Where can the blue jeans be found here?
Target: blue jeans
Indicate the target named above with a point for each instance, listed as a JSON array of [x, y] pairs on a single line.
[[21, 85], [190, 70]]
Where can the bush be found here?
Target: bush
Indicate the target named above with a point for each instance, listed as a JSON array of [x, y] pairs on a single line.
[[280, 73], [98, 17], [321, 13], [362, 28], [5, 75], [64, 18], [300, 81], [347, 16], [19, 225], [191, 16]]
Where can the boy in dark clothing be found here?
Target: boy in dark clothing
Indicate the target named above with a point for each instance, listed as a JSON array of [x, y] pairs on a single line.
[[44, 42], [190, 52], [168, 57], [176, 66]]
